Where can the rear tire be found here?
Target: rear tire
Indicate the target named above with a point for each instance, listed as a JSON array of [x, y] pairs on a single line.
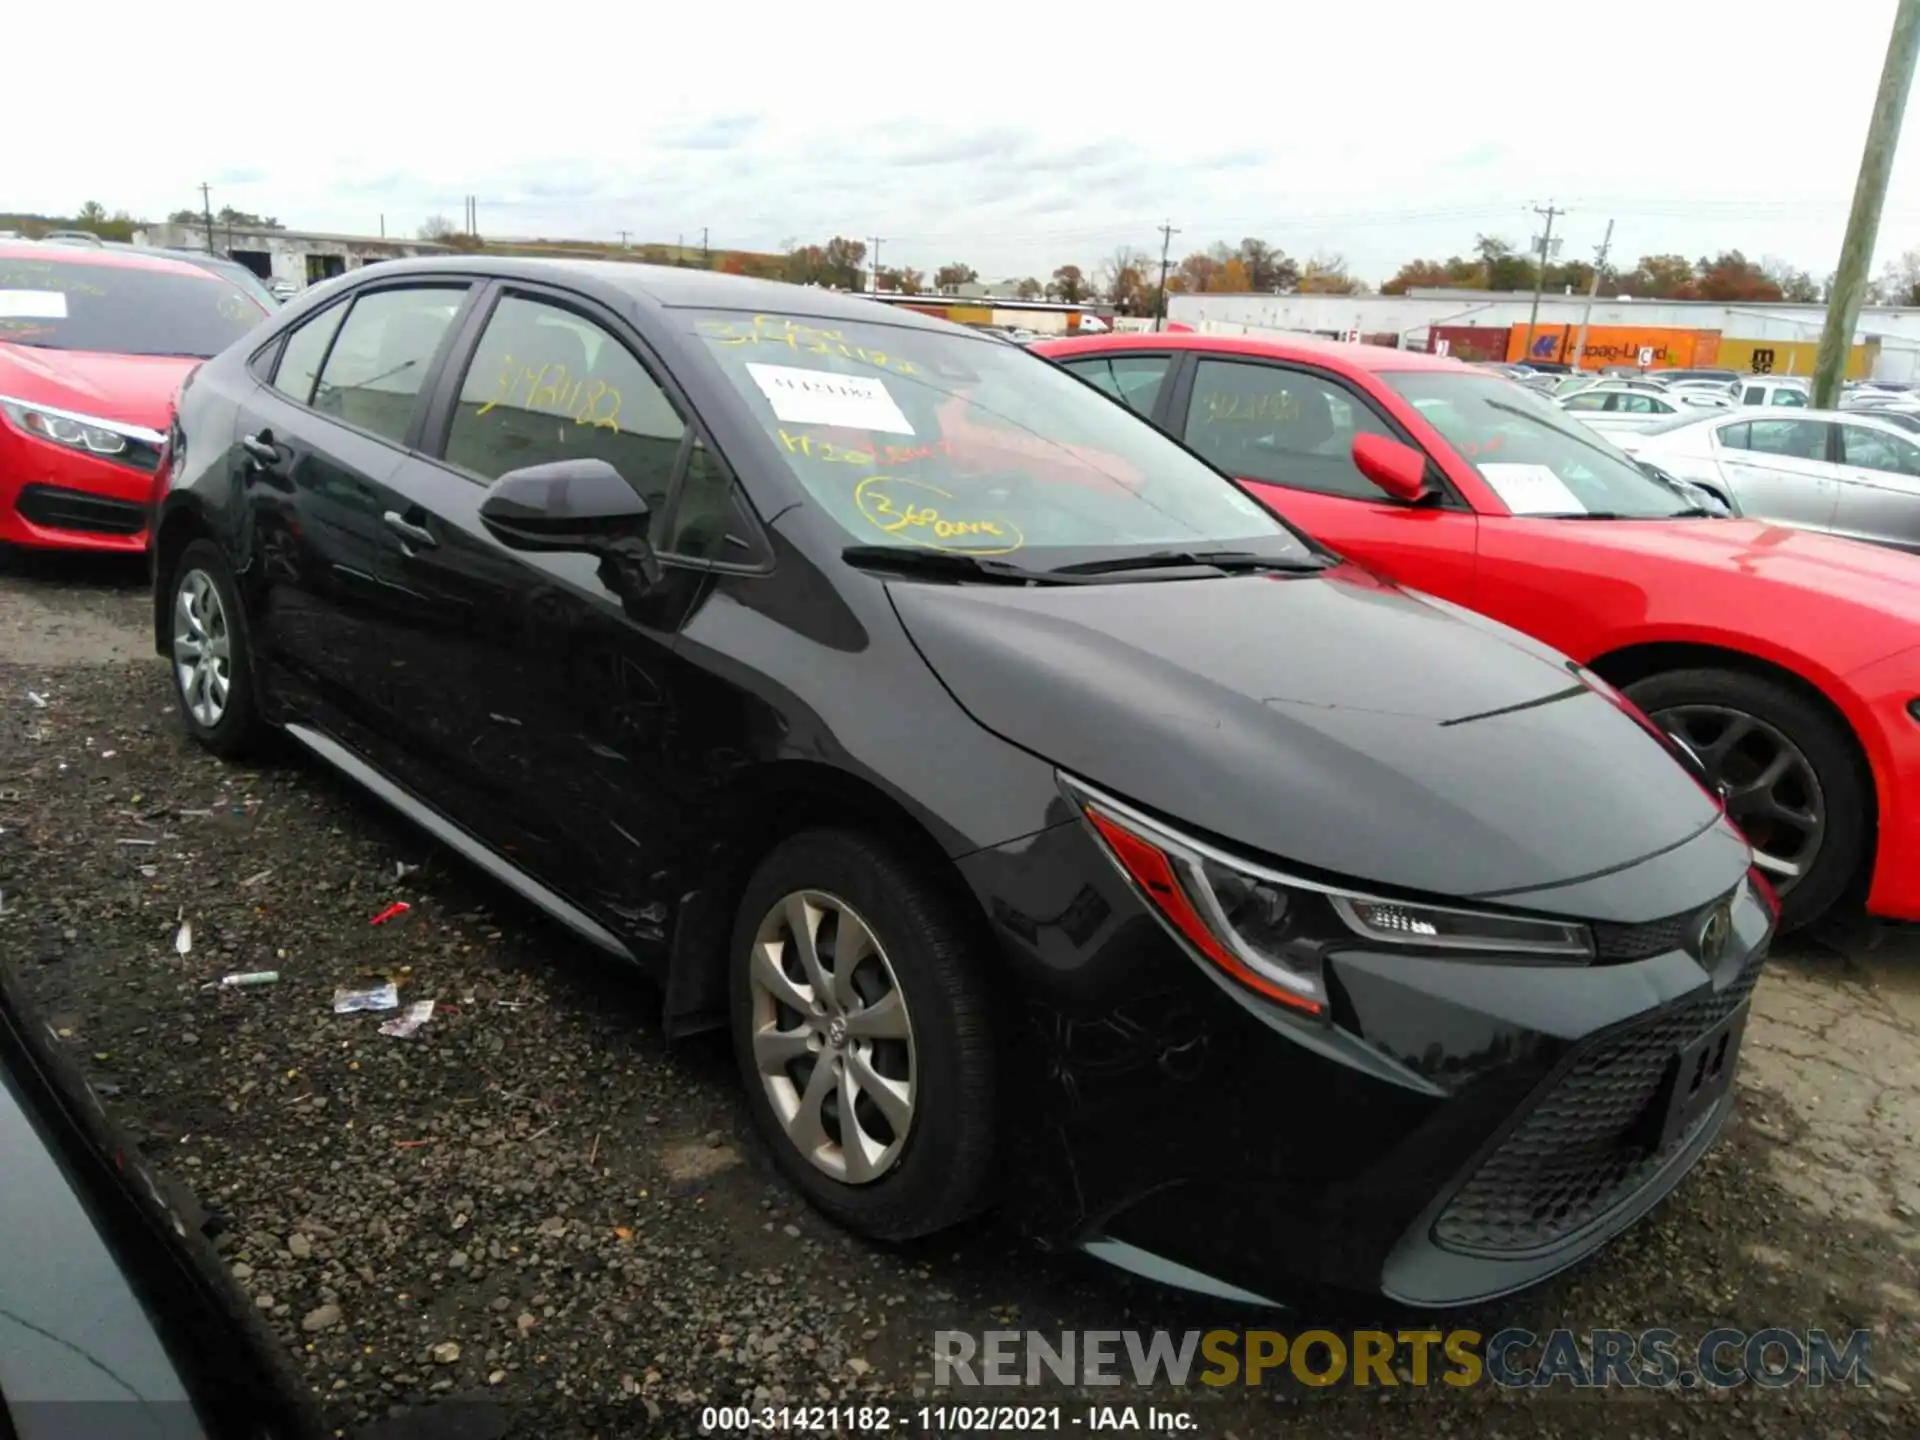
[[1798, 786], [903, 1030], [209, 654]]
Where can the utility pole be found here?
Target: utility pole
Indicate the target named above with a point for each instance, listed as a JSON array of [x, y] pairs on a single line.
[[1869, 195], [206, 209], [705, 262], [877, 241], [623, 239], [1545, 248], [1599, 269], [1167, 232]]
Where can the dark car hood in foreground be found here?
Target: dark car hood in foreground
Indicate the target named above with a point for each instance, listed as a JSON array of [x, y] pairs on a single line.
[[1331, 720]]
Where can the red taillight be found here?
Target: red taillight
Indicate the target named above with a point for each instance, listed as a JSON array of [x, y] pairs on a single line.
[[1765, 887], [1153, 872]]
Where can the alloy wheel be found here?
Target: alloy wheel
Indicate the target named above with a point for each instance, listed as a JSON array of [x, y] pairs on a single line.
[[832, 1039], [202, 647], [1771, 788]]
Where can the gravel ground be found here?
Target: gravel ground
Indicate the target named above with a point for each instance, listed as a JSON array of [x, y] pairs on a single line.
[[536, 1206]]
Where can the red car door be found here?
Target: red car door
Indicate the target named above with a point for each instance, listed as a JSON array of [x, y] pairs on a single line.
[[1287, 432]]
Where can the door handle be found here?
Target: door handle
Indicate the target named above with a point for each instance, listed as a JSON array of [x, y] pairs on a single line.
[[261, 447], [412, 536]]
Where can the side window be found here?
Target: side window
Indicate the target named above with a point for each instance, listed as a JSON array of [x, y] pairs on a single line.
[[300, 357], [1790, 397], [1794, 439], [1871, 450], [1132, 379], [1287, 427], [380, 362], [1754, 395], [548, 384], [705, 526], [1587, 400], [1736, 437]]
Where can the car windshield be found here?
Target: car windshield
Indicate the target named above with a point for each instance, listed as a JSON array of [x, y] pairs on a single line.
[[60, 304], [949, 442], [1537, 458]]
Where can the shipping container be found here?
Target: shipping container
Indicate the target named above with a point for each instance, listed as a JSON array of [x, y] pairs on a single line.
[[1616, 345], [1469, 342], [1791, 357]]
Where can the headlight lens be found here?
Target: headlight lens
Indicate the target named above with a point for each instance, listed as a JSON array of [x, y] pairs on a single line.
[[1271, 932], [109, 439]]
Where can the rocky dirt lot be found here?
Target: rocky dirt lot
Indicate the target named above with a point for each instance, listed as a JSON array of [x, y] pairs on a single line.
[[534, 1206]]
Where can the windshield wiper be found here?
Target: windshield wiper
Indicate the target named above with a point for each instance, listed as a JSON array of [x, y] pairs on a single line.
[[1230, 561], [913, 560]]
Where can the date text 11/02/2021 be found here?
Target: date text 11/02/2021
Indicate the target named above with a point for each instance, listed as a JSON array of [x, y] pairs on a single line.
[[722, 1420]]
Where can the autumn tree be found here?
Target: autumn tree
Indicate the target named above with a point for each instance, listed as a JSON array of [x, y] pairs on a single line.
[[952, 277], [1327, 275], [912, 282], [1195, 273], [1899, 282], [1123, 280], [845, 263], [1069, 285], [437, 228], [806, 265], [1659, 277], [1793, 283], [1231, 278], [1030, 289], [1266, 266], [1418, 275]]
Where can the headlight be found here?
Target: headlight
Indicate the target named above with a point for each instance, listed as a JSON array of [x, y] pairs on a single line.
[[116, 440], [1272, 932]]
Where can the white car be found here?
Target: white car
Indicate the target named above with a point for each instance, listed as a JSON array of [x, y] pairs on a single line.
[[1611, 408], [1776, 390], [1841, 472]]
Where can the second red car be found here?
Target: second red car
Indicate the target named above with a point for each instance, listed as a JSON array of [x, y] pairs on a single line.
[[1788, 662]]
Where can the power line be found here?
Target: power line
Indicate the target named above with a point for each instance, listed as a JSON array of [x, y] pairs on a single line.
[[1599, 269]]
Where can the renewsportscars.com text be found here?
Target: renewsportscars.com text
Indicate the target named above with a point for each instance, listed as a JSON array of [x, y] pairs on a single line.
[[1513, 1359]]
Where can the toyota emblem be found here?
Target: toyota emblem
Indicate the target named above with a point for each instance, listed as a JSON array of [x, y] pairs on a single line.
[[1715, 933]]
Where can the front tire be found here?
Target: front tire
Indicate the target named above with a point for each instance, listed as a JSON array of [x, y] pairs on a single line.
[[860, 1025], [1791, 772], [208, 653]]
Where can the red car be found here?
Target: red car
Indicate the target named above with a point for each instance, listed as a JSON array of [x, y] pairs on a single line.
[[1788, 661], [93, 347]]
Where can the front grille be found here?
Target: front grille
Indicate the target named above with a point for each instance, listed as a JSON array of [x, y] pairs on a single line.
[[1581, 1150], [62, 509], [1637, 942]]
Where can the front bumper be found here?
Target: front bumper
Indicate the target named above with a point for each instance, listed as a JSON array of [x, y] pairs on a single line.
[[52, 498], [1467, 1128]]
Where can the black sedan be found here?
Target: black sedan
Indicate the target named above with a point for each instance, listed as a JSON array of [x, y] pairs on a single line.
[[1049, 822]]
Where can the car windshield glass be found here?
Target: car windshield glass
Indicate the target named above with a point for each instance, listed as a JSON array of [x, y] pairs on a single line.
[[951, 442], [1537, 458], [61, 304]]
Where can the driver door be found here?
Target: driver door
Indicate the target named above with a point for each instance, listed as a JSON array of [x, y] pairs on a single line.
[[1286, 432]]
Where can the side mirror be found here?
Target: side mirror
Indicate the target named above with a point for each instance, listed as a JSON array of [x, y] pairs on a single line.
[[1398, 469], [580, 505]]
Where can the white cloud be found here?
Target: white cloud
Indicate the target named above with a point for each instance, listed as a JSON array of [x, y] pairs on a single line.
[[1013, 137]]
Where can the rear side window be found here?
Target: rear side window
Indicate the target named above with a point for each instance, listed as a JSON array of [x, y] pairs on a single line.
[[1789, 397], [1587, 400], [1795, 439], [1132, 379], [1287, 427], [1873, 450], [379, 363], [300, 357], [549, 384]]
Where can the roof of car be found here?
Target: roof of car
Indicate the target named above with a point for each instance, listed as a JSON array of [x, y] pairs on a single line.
[[1336, 353], [677, 286], [87, 255]]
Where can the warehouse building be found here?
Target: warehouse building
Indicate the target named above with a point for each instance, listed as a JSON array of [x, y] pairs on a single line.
[[299, 257], [1761, 338]]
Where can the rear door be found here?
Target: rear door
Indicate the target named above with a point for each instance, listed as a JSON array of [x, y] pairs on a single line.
[[320, 440], [1780, 470], [1287, 432], [1879, 477]]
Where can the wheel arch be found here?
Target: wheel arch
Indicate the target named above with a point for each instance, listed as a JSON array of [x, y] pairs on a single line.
[[1630, 663], [178, 528], [770, 805]]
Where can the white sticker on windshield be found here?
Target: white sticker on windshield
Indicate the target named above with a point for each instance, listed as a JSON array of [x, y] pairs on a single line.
[[820, 397], [1532, 490], [33, 305]]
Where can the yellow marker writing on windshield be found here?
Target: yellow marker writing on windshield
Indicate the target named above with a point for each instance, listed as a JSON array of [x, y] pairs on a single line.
[[900, 507]]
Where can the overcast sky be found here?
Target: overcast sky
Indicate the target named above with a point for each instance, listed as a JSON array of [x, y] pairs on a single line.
[[1014, 137]]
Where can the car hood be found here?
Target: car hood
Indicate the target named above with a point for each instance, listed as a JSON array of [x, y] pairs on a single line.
[[1875, 577], [133, 389], [1330, 721]]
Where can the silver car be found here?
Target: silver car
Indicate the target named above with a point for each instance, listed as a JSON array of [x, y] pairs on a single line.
[[1841, 472], [1613, 408]]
